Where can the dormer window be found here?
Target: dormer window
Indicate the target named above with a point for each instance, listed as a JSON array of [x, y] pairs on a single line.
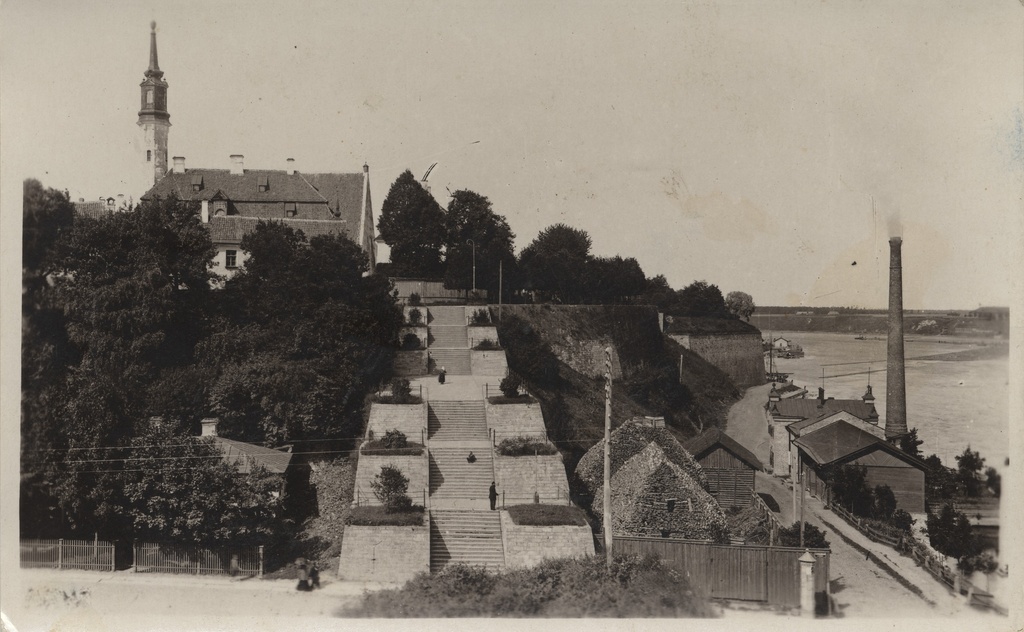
[[263, 184], [289, 209], [197, 183]]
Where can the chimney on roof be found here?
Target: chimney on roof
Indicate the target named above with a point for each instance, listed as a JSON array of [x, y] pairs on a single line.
[[821, 396], [179, 164], [237, 164], [210, 427], [291, 166], [366, 168], [895, 378]]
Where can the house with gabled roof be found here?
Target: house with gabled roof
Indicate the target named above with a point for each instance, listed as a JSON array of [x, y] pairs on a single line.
[[728, 466], [843, 444], [780, 413], [232, 201]]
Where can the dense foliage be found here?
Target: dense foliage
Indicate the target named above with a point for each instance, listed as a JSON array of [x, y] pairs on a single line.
[[471, 218], [413, 224], [813, 536], [527, 353], [547, 515], [390, 487], [950, 533], [634, 587], [969, 466], [129, 343], [740, 304], [524, 446]]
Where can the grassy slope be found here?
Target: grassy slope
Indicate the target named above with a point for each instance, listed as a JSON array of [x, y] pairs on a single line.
[[574, 412]]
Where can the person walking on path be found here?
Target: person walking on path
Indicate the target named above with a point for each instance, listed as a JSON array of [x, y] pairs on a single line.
[[303, 585], [493, 495], [471, 458], [440, 375]]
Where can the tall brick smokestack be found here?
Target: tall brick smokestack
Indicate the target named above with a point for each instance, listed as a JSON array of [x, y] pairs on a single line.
[[895, 381]]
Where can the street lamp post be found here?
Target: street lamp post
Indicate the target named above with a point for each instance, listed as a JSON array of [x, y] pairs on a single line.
[[470, 242]]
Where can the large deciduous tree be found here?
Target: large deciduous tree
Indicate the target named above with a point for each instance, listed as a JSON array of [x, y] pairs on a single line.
[[702, 299], [413, 224], [472, 218], [740, 304], [306, 335], [555, 263]]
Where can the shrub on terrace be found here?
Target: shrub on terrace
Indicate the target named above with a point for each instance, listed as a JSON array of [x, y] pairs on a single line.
[[411, 342], [394, 439], [547, 515], [510, 385], [390, 487], [480, 317], [813, 536], [372, 516], [487, 345], [525, 446], [414, 299], [376, 448], [415, 316], [400, 388]]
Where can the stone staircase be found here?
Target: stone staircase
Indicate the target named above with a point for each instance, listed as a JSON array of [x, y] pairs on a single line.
[[441, 315], [469, 537], [449, 337], [454, 361], [456, 421], [452, 477]]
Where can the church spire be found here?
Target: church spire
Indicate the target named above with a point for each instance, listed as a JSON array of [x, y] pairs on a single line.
[[154, 65]]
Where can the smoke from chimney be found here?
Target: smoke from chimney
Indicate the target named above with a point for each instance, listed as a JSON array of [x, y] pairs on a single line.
[[895, 379]]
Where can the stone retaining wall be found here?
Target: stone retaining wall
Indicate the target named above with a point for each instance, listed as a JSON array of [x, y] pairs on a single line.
[[738, 355], [476, 334], [410, 363], [384, 554], [511, 419], [488, 363], [411, 419], [527, 546], [415, 468], [518, 477]]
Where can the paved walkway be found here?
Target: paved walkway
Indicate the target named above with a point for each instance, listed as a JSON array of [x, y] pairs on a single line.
[[456, 387], [869, 579]]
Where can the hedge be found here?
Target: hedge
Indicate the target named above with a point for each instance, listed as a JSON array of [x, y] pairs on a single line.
[[524, 446], [378, 516], [376, 448], [547, 515], [502, 399]]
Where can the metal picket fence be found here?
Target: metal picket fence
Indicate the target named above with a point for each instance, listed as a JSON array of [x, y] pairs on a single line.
[[149, 557], [61, 554]]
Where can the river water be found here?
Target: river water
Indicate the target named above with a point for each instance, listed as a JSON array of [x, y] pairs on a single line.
[[951, 403]]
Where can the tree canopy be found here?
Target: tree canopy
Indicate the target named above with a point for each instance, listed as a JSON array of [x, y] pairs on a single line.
[[471, 217], [740, 304], [702, 299], [413, 224]]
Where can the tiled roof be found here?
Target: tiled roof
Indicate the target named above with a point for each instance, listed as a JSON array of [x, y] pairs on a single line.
[[843, 441], [712, 438], [809, 409], [230, 229], [94, 210], [835, 442], [245, 455], [342, 193]]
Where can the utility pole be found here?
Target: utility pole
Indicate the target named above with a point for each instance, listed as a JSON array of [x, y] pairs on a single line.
[[470, 242], [501, 287], [608, 457], [803, 487]]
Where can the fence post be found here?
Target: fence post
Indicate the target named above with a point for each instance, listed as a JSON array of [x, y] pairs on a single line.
[[135, 568], [807, 584], [60, 553], [113, 556], [261, 561]]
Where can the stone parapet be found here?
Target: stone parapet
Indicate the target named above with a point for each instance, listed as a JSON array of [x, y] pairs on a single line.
[[415, 468], [519, 477], [410, 419], [527, 546], [508, 420], [384, 554], [488, 363]]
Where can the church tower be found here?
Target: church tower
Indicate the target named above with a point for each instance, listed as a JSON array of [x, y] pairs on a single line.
[[154, 119]]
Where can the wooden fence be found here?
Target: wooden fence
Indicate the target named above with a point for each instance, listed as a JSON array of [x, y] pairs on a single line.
[[774, 524], [149, 557], [765, 574], [428, 289], [94, 555], [866, 529]]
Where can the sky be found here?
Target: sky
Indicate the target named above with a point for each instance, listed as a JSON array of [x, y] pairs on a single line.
[[762, 147]]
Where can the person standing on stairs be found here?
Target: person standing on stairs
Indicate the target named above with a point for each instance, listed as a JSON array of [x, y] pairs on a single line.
[[493, 495], [440, 376]]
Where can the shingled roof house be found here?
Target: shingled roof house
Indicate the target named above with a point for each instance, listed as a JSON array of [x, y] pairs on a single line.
[[729, 467]]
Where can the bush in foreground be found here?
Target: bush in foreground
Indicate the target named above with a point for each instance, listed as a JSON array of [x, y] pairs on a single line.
[[547, 515], [635, 587], [814, 537]]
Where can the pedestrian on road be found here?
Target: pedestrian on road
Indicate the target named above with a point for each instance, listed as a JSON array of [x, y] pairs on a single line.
[[303, 573], [314, 576], [471, 458], [493, 495], [440, 375]]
